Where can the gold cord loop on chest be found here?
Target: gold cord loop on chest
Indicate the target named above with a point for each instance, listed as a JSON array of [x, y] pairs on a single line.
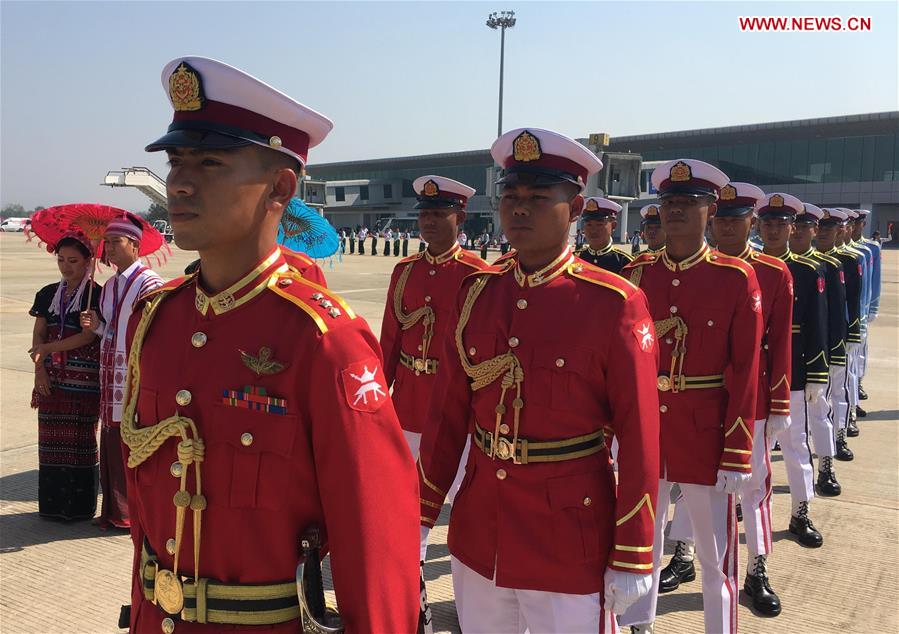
[[145, 441], [676, 373], [424, 314]]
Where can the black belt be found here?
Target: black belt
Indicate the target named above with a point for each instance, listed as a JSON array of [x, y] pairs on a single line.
[[417, 364], [210, 601], [525, 451]]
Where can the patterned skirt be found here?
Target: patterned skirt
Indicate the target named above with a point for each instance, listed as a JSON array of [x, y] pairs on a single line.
[[68, 455]]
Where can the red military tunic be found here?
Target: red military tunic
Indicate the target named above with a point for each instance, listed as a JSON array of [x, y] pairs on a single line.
[[286, 390], [422, 288], [305, 266], [582, 351], [704, 427], [775, 361]]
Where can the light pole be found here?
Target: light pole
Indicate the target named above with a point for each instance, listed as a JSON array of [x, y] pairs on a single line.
[[502, 21]]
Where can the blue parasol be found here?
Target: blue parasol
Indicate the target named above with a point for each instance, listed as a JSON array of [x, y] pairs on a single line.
[[303, 229]]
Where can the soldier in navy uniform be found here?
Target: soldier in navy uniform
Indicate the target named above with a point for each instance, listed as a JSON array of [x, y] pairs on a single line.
[[599, 222], [810, 375], [821, 419], [830, 239], [653, 231]]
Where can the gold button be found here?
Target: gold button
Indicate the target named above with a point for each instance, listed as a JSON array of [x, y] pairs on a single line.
[[472, 351], [183, 398], [168, 625], [432, 272], [285, 281], [427, 298], [246, 439], [710, 322], [170, 546], [675, 282], [420, 348], [199, 339], [503, 428], [663, 383], [669, 341], [501, 474], [663, 408], [673, 309], [587, 501], [176, 469], [522, 303], [513, 342], [560, 362], [766, 346]]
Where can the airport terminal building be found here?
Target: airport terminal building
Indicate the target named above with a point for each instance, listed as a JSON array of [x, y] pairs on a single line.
[[847, 161]]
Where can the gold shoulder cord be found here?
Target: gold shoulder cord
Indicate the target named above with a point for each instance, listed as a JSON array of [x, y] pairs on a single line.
[[662, 327], [144, 442], [425, 314], [486, 372], [636, 274]]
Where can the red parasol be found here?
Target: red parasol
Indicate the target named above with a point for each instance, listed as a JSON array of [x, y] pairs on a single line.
[[52, 224]]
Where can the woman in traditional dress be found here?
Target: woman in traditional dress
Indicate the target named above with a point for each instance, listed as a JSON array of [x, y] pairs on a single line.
[[67, 386]]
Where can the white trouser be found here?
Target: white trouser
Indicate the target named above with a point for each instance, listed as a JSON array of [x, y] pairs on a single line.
[[485, 608], [820, 424], [756, 501], [839, 396], [852, 375], [414, 441], [714, 521], [796, 452], [863, 356]]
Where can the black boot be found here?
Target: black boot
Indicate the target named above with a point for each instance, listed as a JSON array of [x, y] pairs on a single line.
[[862, 395], [739, 512], [802, 527], [679, 570], [852, 427], [764, 600], [859, 412], [844, 453], [827, 479]]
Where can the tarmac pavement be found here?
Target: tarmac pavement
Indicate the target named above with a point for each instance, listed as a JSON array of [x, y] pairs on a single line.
[[72, 577]]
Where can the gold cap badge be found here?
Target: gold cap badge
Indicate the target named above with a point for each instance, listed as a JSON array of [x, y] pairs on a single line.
[[652, 211], [185, 89], [826, 213], [728, 192], [592, 205], [680, 172], [526, 148], [430, 189], [776, 201]]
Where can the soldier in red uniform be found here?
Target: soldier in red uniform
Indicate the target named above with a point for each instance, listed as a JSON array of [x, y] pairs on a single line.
[[257, 405], [600, 219], [421, 296], [706, 339], [538, 536], [731, 227]]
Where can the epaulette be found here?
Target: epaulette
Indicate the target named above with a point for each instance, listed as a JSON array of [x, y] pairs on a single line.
[[806, 261], [168, 287], [296, 260], [505, 257], [826, 258], [768, 260], [497, 268], [643, 259], [325, 307], [719, 259], [412, 258], [595, 275], [470, 259]]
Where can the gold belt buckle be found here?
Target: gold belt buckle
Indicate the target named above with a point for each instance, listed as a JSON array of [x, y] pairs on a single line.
[[504, 449], [663, 383], [168, 592]]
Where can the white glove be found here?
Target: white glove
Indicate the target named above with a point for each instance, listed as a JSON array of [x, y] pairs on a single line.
[[624, 588], [776, 424], [815, 391], [423, 533], [872, 317], [731, 481]]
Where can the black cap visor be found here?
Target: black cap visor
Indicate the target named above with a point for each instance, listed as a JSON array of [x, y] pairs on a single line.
[[686, 189], [733, 212], [780, 215], [806, 219], [593, 215], [204, 135], [437, 203], [537, 176], [651, 220]]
